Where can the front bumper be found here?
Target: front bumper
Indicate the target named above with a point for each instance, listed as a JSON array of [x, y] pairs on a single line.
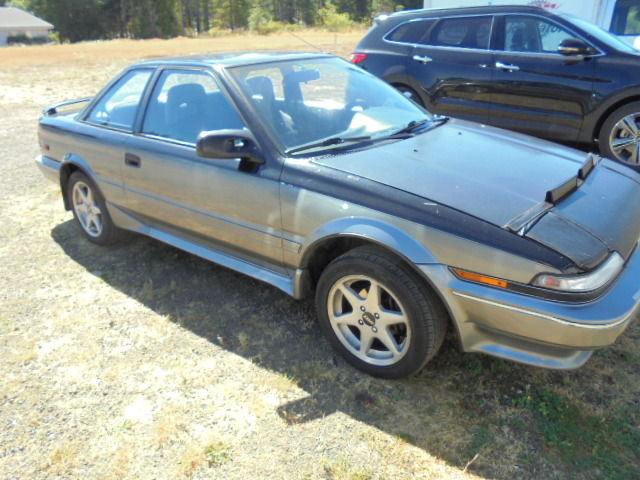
[[534, 330], [49, 167]]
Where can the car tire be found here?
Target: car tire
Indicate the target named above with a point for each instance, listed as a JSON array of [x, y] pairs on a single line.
[[90, 210], [379, 314], [410, 94], [620, 135]]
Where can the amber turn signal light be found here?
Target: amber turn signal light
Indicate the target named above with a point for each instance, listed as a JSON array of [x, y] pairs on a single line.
[[476, 277]]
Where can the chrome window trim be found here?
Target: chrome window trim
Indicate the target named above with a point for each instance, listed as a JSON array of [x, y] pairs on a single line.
[[550, 20], [173, 141], [455, 49], [493, 24], [437, 19], [413, 20], [107, 127]]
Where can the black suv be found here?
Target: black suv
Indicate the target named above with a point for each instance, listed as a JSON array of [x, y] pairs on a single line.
[[521, 68]]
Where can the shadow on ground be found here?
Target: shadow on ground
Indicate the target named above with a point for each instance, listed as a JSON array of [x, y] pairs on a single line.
[[459, 406]]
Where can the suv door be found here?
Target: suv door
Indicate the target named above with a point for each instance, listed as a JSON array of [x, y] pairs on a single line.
[[537, 90], [217, 202], [452, 64]]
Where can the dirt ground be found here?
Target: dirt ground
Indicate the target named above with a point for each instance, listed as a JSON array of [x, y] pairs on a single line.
[[139, 361]]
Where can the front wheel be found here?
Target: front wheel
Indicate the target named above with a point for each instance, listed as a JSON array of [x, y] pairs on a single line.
[[620, 135], [378, 314]]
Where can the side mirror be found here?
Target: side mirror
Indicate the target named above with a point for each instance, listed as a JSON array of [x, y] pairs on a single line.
[[228, 144], [575, 47]]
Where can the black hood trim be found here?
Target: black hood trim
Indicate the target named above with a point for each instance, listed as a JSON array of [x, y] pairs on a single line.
[[390, 200]]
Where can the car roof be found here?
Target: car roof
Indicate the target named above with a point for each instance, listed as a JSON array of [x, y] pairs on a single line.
[[231, 59], [485, 9]]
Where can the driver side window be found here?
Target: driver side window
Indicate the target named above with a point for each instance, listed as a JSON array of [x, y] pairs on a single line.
[[185, 103], [528, 34]]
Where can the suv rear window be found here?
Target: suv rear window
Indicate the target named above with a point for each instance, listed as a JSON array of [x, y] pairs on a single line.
[[466, 32], [410, 32]]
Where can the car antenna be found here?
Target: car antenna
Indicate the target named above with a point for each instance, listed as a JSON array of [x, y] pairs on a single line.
[[308, 43]]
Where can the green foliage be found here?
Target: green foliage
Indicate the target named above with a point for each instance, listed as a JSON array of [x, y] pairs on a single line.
[[261, 21], [609, 447], [480, 439], [217, 453], [77, 20], [333, 21], [259, 17], [152, 19]]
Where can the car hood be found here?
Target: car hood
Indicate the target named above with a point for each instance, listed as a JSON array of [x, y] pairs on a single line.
[[499, 176]]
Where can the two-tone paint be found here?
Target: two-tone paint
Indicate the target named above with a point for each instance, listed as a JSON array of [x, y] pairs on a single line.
[[285, 220]]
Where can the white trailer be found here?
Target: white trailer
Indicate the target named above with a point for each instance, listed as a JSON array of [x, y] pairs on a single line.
[[620, 17]]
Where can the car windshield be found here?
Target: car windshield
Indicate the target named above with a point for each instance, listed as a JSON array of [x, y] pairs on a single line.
[[325, 103], [600, 34]]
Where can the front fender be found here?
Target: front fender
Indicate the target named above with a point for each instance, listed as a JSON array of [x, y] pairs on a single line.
[[593, 122], [376, 231]]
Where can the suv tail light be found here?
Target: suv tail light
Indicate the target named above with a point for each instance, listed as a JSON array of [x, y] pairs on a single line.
[[357, 58]]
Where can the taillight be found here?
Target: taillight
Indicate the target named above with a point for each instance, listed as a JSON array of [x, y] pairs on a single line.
[[357, 58]]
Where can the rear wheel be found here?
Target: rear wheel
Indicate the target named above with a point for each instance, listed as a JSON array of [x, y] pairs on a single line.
[[409, 93], [378, 314], [620, 135], [90, 210]]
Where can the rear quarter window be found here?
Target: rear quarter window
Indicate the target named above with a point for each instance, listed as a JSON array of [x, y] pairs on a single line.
[[117, 108], [466, 32], [410, 32]]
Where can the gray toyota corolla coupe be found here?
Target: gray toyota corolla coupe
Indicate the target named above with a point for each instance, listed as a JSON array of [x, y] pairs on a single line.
[[310, 174]]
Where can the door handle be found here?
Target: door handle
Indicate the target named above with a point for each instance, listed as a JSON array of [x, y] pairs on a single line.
[[507, 67], [422, 59], [132, 160]]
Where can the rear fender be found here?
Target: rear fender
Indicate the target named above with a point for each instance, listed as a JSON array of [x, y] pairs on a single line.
[[70, 163]]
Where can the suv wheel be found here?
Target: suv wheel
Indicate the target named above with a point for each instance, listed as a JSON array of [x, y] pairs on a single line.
[[410, 94], [90, 211], [620, 135], [378, 314]]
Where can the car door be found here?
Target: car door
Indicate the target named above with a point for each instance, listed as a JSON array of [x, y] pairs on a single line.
[[105, 128], [215, 202], [452, 65], [536, 90]]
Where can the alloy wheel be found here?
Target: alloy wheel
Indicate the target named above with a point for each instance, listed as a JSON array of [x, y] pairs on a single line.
[[624, 139], [87, 209], [368, 320]]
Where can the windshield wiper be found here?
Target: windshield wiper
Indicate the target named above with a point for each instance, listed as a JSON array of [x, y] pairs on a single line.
[[329, 142], [415, 124], [403, 132]]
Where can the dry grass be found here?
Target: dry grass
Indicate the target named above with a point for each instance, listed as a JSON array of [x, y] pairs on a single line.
[[198, 456], [141, 362], [170, 423], [63, 459], [341, 470], [108, 51]]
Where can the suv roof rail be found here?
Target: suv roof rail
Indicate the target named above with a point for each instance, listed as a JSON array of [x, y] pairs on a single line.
[[384, 16]]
